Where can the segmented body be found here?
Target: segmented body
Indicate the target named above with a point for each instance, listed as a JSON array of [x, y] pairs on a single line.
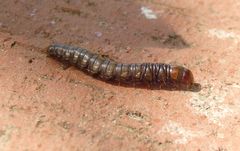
[[153, 73]]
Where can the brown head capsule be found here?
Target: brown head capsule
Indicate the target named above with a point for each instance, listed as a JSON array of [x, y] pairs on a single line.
[[183, 77]]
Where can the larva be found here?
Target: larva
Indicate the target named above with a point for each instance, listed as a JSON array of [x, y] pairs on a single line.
[[155, 74]]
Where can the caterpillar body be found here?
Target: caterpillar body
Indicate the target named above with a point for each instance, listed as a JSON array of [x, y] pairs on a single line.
[[155, 74]]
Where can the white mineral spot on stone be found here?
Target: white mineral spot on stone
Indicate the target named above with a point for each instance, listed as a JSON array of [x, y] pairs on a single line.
[[211, 103], [6, 136], [220, 135], [176, 129], [236, 85], [222, 34], [33, 13], [148, 13]]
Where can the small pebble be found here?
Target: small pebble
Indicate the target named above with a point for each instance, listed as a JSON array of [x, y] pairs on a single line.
[[98, 34]]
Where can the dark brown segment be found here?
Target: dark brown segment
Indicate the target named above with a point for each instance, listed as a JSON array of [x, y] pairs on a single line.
[[80, 58], [157, 68], [137, 75], [85, 59], [66, 54], [118, 71], [164, 74], [153, 73], [97, 64], [91, 63], [103, 68], [110, 70], [160, 73], [71, 51], [143, 71], [135, 72], [76, 55], [148, 73], [132, 70], [168, 70], [125, 72]]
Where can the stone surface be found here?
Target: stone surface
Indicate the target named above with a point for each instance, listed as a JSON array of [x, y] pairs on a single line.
[[44, 107]]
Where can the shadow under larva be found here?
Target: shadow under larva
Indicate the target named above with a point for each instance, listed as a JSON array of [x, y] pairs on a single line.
[[156, 75]]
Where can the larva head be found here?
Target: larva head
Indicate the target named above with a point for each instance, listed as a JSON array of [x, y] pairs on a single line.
[[182, 76], [51, 50], [55, 50]]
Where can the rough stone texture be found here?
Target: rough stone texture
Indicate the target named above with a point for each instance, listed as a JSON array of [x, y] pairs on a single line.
[[43, 107]]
